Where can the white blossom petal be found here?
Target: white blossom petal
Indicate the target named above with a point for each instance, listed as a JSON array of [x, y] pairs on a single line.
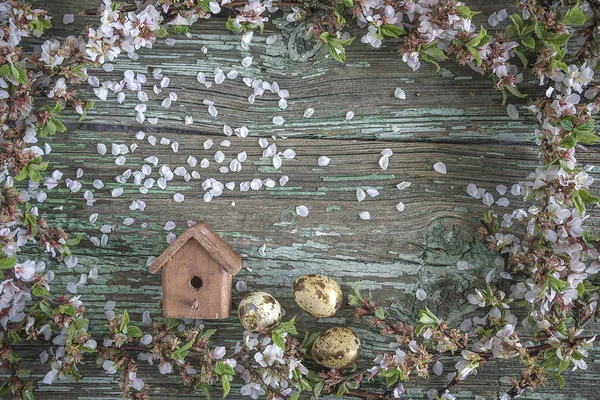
[[302, 211], [399, 94], [440, 167]]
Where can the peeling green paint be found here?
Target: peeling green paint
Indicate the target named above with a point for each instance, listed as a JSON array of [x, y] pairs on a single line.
[[371, 177]]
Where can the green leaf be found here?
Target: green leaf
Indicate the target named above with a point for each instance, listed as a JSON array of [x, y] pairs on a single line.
[[30, 219], [66, 309], [557, 284], [18, 74], [39, 291], [182, 352], [348, 3], [522, 57], [587, 198], [540, 29], [567, 124], [223, 369], [336, 45], [134, 331], [475, 55], [588, 126], [180, 29], [574, 16], [528, 41], [204, 387], [5, 70], [232, 26], [74, 241], [434, 52], [305, 385], [7, 262], [278, 340], [569, 142], [391, 376], [204, 4], [562, 328], [589, 238], [208, 333], [124, 321], [226, 385], [515, 91], [564, 364], [480, 40], [355, 298], [510, 31], [46, 309], [318, 389], [342, 390], [380, 313], [585, 133], [465, 12], [427, 317], [518, 22], [21, 175], [59, 126], [309, 339], [393, 31], [288, 327], [160, 32]]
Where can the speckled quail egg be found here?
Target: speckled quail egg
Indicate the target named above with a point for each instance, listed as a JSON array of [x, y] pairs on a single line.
[[336, 348], [259, 311], [318, 295]]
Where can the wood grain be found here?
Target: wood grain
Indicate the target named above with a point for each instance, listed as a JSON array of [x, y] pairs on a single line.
[[454, 117]]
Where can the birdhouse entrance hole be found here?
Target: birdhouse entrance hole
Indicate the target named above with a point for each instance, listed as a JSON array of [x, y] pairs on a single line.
[[196, 282]]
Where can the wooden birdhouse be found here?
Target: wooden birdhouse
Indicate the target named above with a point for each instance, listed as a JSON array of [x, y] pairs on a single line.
[[196, 275]]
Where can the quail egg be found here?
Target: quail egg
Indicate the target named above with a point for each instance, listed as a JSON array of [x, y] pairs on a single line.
[[318, 295], [259, 311], [336, 348]]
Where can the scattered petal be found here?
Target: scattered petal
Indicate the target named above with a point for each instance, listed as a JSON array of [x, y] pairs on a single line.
[[462, 265], [360, 195], [440, 167], [241, 286], [309, 112], [403, 185], [488, 199], [302, 211], [512, 111], [323, 161], [399, 94], [178, 197], [247, 61]]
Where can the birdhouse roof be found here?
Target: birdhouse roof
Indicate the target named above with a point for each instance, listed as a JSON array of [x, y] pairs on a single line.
[[212, 243]]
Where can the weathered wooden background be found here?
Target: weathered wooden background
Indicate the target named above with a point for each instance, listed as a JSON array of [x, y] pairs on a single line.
[[454, 117]]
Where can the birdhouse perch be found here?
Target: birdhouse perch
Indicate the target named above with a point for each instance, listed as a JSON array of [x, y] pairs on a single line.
[[196, 275]]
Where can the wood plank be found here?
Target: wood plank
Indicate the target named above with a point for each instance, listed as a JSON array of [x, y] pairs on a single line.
[[456, 118], [456, 105], [391, 255]]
